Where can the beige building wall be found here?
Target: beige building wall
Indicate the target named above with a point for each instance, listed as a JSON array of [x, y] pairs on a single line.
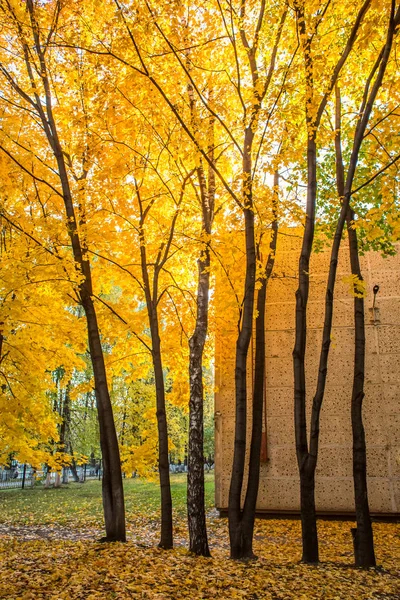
[[279, 483]]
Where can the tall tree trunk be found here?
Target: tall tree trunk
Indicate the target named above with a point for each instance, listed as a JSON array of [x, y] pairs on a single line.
[[152, 298], [151, 295], [242, 346], [198, 542], [112, 487], [249, 509], [304, 460], [65, 428], [363, 540], [307, 455], [113, 497], [362, 536], [166, 540]]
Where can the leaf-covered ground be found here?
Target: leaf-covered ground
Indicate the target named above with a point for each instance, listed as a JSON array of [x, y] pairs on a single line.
[[48, 549]]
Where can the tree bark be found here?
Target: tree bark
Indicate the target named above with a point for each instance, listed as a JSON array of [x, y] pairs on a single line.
[[305, 464], [166, 540], [249, 509], [242, 346], [151, 295], [113, 496], [362, 536], [307, 454], [198, 542], [363, 540], [73, 467], [112, 487], [241, 547]]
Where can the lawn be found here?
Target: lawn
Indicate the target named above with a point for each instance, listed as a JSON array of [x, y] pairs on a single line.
[[49, 550]]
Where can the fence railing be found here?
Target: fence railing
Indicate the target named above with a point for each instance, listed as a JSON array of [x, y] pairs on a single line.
[[24, 478], [16, 478]]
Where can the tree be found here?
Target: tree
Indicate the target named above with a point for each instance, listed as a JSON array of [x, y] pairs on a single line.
[[198, 542], [248, 97], [308, 27], [31, 83], [32, 296], [363, 536]]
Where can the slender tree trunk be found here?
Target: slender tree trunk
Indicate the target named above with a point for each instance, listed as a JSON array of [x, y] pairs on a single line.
[[362, 535], [307, 458], [65, 429], [344, 186], [242, 346], [198, 542], [166, 540], [304, 461], [73, 466], [113, 497], [363, 541], [309, 464], [249, 509], [123, 424], [112, 488], [240, 547], [152, 298]]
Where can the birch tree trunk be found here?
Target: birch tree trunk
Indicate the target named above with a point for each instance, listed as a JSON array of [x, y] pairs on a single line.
[[198, 542]]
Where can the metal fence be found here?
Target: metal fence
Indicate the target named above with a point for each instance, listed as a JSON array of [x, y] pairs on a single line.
[[17, 478], [24, 476]]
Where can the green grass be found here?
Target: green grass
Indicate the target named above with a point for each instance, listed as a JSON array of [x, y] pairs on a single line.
[[80, 503]]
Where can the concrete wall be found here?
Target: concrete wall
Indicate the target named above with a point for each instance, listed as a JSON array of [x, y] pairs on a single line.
[[279, 483]]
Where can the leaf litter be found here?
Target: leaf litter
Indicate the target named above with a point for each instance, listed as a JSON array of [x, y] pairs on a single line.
[[41, 558]]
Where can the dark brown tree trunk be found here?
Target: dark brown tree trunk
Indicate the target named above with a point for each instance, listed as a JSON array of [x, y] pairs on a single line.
[[112, 487], [307, 455], [242, 346], [113, 495], [304, 461], [363, 540], [65, 428], [74, 470], [249, 509], [362, 536], [241, 546], [151, 295], [166, 540]]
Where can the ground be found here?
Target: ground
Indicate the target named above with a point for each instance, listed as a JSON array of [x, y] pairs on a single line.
[[48, 550]]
